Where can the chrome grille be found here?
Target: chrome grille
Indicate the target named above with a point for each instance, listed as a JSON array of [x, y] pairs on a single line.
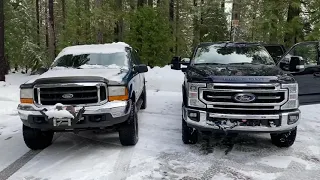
[[221, 96], [70, 94]]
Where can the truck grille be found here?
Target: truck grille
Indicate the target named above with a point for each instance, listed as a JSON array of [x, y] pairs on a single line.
[[222, 96], [70, 95]]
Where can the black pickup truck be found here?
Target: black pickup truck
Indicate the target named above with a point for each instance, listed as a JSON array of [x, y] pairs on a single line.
[[238, 87]]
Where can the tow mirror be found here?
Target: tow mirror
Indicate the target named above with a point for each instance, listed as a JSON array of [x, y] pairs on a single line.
[[292, 64], [296, 64], [175, 63], [142, 68]]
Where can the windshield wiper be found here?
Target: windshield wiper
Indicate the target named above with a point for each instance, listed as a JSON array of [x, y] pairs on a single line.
[[210, 64]]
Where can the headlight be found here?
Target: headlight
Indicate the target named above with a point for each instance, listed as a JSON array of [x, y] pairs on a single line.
[[193, 95], [293, 101], [118, 93], [26, 96]]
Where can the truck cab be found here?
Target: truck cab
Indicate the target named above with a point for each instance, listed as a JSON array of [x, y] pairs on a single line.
[[239, 87]]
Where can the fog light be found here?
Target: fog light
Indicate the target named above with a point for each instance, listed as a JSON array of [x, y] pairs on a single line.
[[194, 115], [293, 118]]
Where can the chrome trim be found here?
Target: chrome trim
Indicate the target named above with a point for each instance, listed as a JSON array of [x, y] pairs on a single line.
[[98, 94], [246, 116], [240, 108], [268, 97], [203, 123], [117, 109], [276, 85], [98, 85], [38, 94], [277, 88]]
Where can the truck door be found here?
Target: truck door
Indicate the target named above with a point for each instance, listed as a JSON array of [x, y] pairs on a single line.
[[309, 78]]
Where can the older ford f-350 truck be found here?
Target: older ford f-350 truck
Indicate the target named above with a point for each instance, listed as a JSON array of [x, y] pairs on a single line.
[[238, 87], [87, 87]]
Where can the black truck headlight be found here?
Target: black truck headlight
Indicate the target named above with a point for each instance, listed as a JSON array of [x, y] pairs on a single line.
[[293, 101], [193, 95]]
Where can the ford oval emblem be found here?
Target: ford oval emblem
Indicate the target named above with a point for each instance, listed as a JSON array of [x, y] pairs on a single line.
[[245, 97], [67, 96]]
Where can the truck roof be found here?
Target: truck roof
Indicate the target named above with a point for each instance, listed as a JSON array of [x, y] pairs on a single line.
[[94, 48]]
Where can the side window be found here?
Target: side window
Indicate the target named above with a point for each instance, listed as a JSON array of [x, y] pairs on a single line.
[[308, 51], [136, 57]]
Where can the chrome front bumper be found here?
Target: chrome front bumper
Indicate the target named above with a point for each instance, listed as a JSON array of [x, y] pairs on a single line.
[[116, 109], [203, 124]]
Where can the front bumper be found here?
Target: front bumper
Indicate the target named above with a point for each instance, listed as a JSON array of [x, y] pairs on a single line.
[[207, 121], [108, 114]]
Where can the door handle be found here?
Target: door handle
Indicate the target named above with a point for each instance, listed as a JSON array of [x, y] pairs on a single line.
[[316, 74]]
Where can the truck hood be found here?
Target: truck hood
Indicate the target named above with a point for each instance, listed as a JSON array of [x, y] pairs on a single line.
[[238, 74], [109, 75]]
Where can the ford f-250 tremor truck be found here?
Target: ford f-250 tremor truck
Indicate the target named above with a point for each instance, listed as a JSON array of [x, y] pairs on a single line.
[[238, 87], [87, 87]]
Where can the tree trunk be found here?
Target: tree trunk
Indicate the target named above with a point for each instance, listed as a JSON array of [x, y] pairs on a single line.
[[132, 4], [52, 31], [46, 24], [177, 27], [171, 20], [64, 15], [100, 24], [2, 57], [87, 28], [196, 32], [141, 3], [118, 30], [293, 11], [150, 3], [38, 21], [78, 28], [223, 2]]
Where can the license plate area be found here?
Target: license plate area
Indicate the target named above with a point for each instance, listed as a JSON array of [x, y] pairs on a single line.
[[243, 122], [60, 122]]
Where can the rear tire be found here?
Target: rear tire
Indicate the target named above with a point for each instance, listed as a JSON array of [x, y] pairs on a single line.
[[36, 139], [129, 130], [286, 139], [144, 98], [189, 135]]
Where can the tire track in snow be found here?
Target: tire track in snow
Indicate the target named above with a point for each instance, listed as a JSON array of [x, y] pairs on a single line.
[[19, 163], [122, 165]]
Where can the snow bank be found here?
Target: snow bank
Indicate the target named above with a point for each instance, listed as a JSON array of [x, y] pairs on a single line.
[[164, 79]]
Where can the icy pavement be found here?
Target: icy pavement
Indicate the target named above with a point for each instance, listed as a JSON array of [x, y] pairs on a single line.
[[160, 153]]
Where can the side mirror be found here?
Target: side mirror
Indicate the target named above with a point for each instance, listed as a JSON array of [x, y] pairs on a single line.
[[296, 64], [142, 68], [175, 63]]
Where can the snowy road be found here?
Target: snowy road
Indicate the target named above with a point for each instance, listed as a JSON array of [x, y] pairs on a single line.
[[160, 153]]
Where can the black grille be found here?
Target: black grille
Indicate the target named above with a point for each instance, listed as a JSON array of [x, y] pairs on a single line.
[[228, 97], [81, 95]]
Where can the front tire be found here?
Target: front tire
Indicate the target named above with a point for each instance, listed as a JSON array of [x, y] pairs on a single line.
[[286, 139], [129, 130], [36, 139], [189, 135]]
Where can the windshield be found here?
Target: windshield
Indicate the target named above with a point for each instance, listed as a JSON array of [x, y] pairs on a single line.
[[217, 54], [76, 61]]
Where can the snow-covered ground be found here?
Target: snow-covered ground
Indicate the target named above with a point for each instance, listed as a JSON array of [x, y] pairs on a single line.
[[160, 153]]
